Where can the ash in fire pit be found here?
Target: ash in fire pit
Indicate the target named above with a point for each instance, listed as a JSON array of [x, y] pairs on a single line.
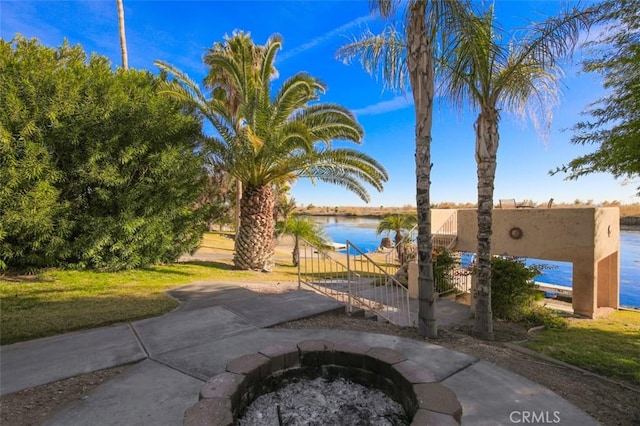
[[324, 402], [319, 382]]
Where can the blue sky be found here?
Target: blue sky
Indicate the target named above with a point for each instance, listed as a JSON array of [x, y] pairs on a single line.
[[178, 32]]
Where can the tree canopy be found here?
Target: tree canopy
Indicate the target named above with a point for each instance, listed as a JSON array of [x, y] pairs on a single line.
[[614, 120], [495, 72], [266, 137], [96, 169]]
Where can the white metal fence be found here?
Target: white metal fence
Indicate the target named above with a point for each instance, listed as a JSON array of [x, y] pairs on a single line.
[[355, 279]]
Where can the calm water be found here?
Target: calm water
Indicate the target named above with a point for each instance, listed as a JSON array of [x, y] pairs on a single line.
[[362, 232]]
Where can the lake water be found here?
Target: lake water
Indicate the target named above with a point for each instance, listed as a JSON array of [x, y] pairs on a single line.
[[362, 232]]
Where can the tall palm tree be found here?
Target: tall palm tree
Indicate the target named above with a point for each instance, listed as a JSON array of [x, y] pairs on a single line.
[[401, 225], [123, 39], [493, 74], [273, 139], [397, 55], [302, 228], [222, 84]]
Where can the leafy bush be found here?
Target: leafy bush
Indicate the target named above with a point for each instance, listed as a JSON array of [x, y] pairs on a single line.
[[97, 169], [443, 263], [512, 286]]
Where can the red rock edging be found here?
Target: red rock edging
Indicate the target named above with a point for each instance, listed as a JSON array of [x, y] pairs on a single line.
[[425, 401]]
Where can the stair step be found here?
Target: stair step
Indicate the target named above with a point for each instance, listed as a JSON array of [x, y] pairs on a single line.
[[357, 313], [371, 316], [362, 313]]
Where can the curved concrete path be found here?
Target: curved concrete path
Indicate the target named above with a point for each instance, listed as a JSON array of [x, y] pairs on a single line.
[[216, 323]]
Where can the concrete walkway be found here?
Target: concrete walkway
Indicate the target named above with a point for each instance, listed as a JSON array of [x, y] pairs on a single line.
[[216, 323]]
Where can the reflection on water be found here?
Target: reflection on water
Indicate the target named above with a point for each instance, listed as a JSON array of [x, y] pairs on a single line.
[[630, 268], [362, 232]]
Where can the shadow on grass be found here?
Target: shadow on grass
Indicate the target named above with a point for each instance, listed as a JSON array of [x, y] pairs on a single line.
[[205, 263], [215, 248], [211, 264], [24, 278]]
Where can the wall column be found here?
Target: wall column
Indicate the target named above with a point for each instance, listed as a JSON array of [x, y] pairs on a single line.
[[584, 286]]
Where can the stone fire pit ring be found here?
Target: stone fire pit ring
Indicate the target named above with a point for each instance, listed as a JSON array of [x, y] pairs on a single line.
[[225, 396]]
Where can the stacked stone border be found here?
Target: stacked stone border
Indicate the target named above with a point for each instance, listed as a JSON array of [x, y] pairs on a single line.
[[226, 395]]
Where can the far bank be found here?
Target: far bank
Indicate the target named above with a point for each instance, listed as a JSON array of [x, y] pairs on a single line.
[[629, 213]]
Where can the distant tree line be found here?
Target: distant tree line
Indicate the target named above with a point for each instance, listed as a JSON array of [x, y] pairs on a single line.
[[96, 168]]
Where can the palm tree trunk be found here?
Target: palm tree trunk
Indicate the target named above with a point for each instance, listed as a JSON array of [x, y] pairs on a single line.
[[420, 64], [486, 151], [399, 248], [123, 39], [254, 246], [238, 204], [296, 251]]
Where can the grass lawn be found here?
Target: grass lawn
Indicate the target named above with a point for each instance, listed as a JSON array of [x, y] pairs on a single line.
[[58, 301], [607, 346]]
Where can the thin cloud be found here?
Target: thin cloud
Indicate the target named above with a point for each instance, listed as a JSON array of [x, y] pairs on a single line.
[[324, 37], [22, 18], [395, 104]]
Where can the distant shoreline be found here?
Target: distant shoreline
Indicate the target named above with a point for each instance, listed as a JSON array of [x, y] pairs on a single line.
[[632, 222]]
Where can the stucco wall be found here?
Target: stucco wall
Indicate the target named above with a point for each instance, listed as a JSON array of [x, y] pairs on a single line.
[[589, 238], [552, 234]]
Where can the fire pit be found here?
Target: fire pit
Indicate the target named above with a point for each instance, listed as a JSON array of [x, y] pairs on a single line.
[[319, 382]]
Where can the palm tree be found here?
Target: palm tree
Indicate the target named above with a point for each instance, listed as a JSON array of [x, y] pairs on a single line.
[[271, 140], [520, 76], [285, 205], [396, 56], [305, 228], [123, 39], [398, 223], [222, 85]]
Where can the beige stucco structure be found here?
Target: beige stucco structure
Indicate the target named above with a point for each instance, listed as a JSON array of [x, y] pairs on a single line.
[[589, 238]]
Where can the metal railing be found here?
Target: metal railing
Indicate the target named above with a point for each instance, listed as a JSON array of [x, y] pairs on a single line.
[[456, 280], [378, 290], [323, 272], [355, 279], [445, 237]]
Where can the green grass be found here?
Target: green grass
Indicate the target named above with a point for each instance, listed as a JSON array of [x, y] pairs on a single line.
[[608, 346], [59, 301]]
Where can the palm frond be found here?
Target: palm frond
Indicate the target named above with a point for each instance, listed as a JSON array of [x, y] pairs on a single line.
[[294, 94], [328, 122], [269, 56], [263, 140], [381, 55]]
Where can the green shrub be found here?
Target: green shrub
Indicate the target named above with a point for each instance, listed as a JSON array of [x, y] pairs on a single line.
[[512, 286], [443, 263], [97, 169]]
